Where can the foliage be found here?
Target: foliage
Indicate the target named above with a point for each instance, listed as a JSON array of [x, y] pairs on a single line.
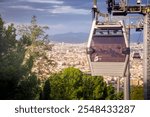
[[46, 90], [9, 61], [28, 89], [57, 87], [120, 95], [94, 87], [33, 34], [111, 93], [72, 79], [137, 93], [71, 83], [16, 78], [35, 40]]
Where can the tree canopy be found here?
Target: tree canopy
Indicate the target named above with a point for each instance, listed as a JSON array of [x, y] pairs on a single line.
[[17, 81], [71, 83], [137, 93]]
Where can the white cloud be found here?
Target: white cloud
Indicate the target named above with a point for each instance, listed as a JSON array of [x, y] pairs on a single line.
[[26, 7], [68, 9], [21, 7], [55, 10], [45, 1]]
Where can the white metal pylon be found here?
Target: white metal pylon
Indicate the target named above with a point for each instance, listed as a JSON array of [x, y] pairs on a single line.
[[147, 57]]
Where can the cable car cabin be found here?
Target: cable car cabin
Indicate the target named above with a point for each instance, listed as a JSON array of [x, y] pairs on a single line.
[[107, 49], [136, 55]]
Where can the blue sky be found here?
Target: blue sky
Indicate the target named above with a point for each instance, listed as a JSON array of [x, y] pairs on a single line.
[[61, 16]]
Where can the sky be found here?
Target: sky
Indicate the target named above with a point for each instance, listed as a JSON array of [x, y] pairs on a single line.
[[62, 16]]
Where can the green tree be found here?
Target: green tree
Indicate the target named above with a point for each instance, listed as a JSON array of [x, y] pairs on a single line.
[[57, 87], [111, 95], [28, 89], [100, 88], [88, 87], [137, 93], [32, 38], [67, 84], [9, 61], [46, 90], [72, 84], [7, 38], [33, 34], [35, 39], [16, 78], [95, 88], [120, 96]]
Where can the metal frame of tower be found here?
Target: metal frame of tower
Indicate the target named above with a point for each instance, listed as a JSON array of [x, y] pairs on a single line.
[[122, 9], [127, 76], [145, 11], [147, 56]]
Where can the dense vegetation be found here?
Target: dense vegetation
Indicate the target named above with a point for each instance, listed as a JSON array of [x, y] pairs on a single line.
[[71, 83], [137, 93], [17, 81]]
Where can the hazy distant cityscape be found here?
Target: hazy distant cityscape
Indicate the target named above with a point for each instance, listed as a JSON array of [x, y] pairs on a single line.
[[74, 55]]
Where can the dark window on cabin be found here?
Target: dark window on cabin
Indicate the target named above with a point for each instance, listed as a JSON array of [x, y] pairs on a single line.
[[108, 48], [136, 56]]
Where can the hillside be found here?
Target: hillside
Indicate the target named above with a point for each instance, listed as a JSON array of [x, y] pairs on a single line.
[[80, 37]]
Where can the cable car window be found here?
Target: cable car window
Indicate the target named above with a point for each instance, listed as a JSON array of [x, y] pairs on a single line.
[[136, 55], [108, 48], [108, 32]]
